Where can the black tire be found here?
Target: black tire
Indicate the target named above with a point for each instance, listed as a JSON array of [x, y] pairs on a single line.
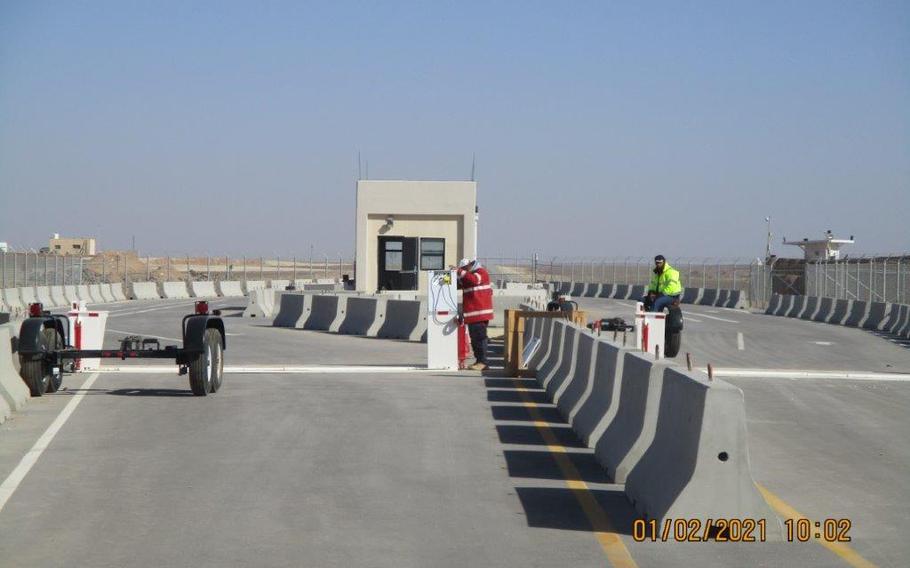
[[36, 373], [672, 343], [206, 369], [54, 342]]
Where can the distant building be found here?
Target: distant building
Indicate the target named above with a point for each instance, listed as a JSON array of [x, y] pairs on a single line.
[[4, 247], [406, 227], [827, 248], [82, 246]]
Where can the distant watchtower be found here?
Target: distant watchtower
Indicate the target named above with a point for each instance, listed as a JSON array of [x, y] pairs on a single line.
[[827, 248]]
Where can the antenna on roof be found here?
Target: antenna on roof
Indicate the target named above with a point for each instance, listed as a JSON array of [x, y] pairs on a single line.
[[473, 164], [359, 167]]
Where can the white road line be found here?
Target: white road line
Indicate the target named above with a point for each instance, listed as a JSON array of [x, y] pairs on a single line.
[[740, 342], [155, 309], [121, 332], [265, 369], [809, 374], [11, 483], [822, 343], [716, 318], [692, 319]]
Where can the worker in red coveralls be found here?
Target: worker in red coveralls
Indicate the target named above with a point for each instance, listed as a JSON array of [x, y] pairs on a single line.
[[474, 282]]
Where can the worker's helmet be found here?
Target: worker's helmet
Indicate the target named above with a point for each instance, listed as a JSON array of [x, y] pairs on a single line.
[[465, 262]]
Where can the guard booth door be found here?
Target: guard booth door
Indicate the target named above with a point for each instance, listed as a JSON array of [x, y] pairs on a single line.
[[398, 263]]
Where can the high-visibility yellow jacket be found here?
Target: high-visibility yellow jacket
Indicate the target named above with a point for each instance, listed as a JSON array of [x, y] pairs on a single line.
[[667, 282]]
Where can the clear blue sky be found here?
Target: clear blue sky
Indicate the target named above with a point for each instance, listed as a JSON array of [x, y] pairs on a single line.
[[605, 129]]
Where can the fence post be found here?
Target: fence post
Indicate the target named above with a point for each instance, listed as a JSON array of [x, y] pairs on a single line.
[[261, 279]]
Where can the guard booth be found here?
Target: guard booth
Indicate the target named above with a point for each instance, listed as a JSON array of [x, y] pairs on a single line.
[[406, 228]]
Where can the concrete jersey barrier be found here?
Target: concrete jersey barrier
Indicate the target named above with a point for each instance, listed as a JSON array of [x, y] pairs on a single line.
[[27, 296], [290, 309], [12, 387], [175, 290], [697, 464], [203, 289], [145, 291], [104, 291], [279, 284], [364, 316], [11, 299], [404, 319], [577, 383], [327, 313], [82, 291], [261, 303], [117, 292], [70, 294], [630, 433], [598, 408], [566, 368], [58, 297], [43, 295], [230, 289], [251, 285], [878, 314]]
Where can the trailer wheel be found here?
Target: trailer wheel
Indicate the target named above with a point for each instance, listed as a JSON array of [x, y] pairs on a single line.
[[206, 368], [54, 342], [37, 373], [672, 341]]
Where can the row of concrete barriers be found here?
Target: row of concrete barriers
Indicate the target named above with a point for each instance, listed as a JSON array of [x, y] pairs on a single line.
[[13, 392], [875, 316], [721, 298], [674, 439], [372, 316], [16, 300]]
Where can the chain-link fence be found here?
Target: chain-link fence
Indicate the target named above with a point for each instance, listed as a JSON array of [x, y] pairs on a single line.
[[37, 269], [874, 279]]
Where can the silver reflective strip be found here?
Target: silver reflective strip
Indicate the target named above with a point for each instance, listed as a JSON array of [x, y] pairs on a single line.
[[477, 313], [476, 288]]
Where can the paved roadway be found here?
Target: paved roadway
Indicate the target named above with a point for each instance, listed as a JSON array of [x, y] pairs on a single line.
[[407, 469]]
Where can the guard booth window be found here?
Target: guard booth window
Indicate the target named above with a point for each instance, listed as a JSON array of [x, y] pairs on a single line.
[[432, 253]]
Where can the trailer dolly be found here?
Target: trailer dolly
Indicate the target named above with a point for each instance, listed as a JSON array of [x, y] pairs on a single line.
[[45, 351]]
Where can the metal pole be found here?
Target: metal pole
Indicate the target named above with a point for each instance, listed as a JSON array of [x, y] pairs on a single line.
[[208, 268], [295, 271], [103, 268], [717, 275], [734, 275], [187, 268], [261, 279], [885, 280], [244, 270], [704, 273], [325, 270]]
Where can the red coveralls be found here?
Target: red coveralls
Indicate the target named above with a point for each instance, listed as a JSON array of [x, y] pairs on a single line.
[[477, 298]]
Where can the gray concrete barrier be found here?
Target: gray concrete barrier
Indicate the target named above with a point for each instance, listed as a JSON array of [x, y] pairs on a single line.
[[840, 311], [290, 309], [58, 297], [145, 291], [203, 289], [738, 300], [175, 290], [251, 285], [900, 319], [630, 433], [708, 297], [622, 292], [577, 384], [593, 290], [796, 307], [691, 295], [859, 310], [545, 333], [230, 289], [261, 303], [637, 292], [567, 361], [327, 313], [774, 305], [825, 308], [809, 307], [12, 387], [117, 292], [578, 289], [553, 359], [723, 298], [598, 407], [364, 316], [43, 294], [697, 464], [878, 315], [606, 291], [404, 319]]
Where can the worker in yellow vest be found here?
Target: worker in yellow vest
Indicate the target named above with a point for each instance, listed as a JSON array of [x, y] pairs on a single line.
[[665, 287]]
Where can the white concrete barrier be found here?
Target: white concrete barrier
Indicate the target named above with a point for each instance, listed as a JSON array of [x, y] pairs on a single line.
[[58, 297], [145, 291], [697, 465], [11, 300], [27, 296], [553, 360], [12, 387], [404, 319], [566, 368], [279, 284], [104, 291], [251, 285], [576, 384], [94, 292], [175, 290], [69, 293], [43, 294], [117, 292], [230, 289], [545, 333], [203, 289], [327, 313], [261, 303], [82, 292], [630, 433]]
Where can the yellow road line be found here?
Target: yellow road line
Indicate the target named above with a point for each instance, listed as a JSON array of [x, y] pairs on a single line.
[[841, 549], [604, 531]]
